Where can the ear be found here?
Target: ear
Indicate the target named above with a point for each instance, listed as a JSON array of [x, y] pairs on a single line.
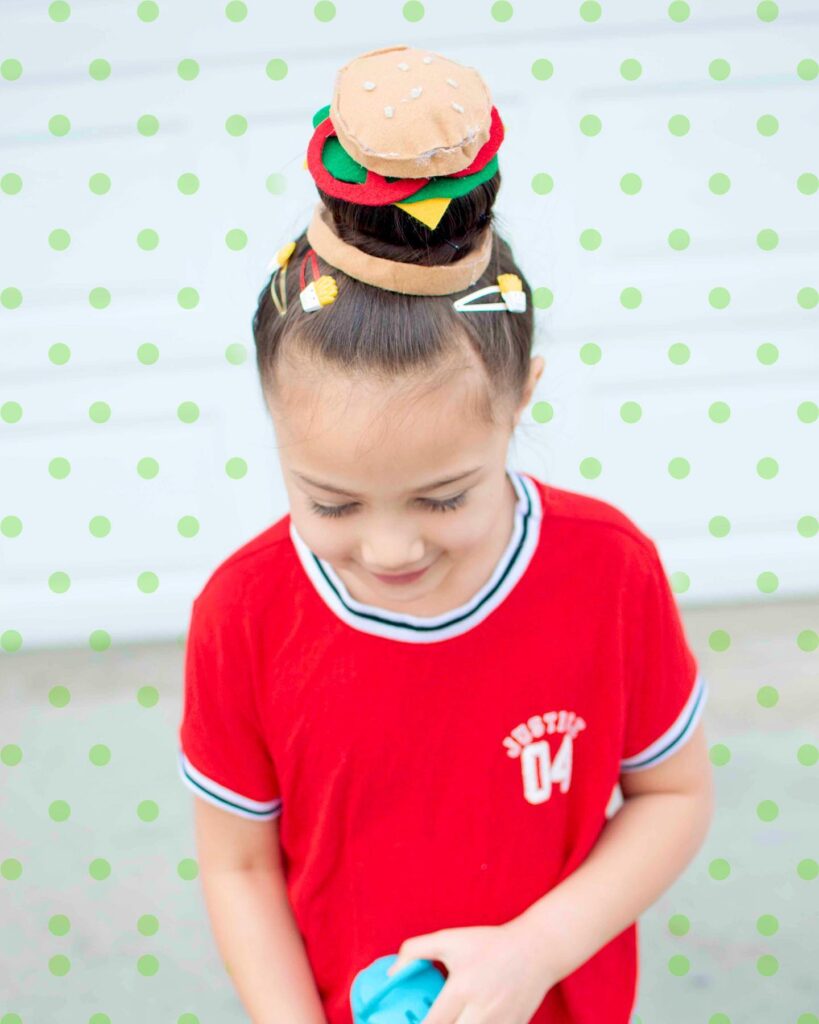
[[536, 367]]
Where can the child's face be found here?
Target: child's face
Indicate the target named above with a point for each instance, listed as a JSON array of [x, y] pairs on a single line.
[[382, 443]]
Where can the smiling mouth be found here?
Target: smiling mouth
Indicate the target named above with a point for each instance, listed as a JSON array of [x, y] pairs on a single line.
[[404, 577]]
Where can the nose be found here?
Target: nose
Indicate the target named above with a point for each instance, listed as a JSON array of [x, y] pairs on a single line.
[[392, 553]]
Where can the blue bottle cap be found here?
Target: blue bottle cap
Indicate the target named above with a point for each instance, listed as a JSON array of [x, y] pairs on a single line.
[[404, 998]]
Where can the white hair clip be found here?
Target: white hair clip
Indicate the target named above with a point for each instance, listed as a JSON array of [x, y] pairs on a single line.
[[511, 291]]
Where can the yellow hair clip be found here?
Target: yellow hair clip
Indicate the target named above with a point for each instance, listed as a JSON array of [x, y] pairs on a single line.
[[511, 291], [322, 291], [279, 262]]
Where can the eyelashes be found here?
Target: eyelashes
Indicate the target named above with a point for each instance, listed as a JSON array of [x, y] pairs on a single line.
[[334, 511]]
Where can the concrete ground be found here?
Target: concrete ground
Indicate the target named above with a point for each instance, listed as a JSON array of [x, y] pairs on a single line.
[[97, 788]]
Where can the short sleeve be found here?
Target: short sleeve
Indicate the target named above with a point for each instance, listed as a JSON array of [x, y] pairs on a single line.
[[223, 757], [664, 690]]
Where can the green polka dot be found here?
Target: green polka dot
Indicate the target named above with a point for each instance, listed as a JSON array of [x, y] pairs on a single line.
[[12, 183], [11, 869], [720, 755], [99, 184], [590, 125], [11, 641], [148, 468], [147, 125], [187, 183], [11, 69], [236, 468], [188, 298], [767, 239], [502, 10], [590, 239], [11, 412], [807, 755], [59, 925], [148, 353], [236, 353], [276, 69], [680, 582], [11, 755], [590, 468], [767, 924], [99, 69], [188, 69], [59, 353], [808, 184], [147, 239], [678, 10], [188, 412], [679, 353], [59, 582], [148, 10], [679, 125], [148, 582], [276, 184], [807, 640], [807, 70], [719, 526], [59, 10], [542, 298], [11, 526], [236, 125], [719, 640], [767, 468], [767, 125], [631, 298], [679, 965], [542, 412], [807, 526], [630, 412], [719, 869], [147, 696], [59, 965], [679, 239], [148, 810], [630, 184], [188, 526], [678, 924], [542, 69], [11, 298], [99, 869], [324, 10], [806, 412], [719, 412], [631, 69], [719, 184], [99, 298], [59, 810], [236, 239], [148, 924], [98, 1018], [542, 184], [59, 239], [807, 869], [99, 755], [99, 640], [59, 125], [236, 11], [188, 869], [767, 353], [767, 10], [413, 11], [59, 696], [767, 696], [99, 412], [767, 810], [590, 353], [719, 69], [767, 582], [59, 468], [590, 10], [679, 468], [767, 965], [807, 298], [99, 526]]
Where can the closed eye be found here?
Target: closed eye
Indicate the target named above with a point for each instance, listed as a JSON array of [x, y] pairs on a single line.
[[436, 506]]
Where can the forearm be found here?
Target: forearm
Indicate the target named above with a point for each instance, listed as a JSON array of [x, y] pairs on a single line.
[[639, 853], [260, 943]]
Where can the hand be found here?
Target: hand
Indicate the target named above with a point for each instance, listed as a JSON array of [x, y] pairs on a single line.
[[495, 975]]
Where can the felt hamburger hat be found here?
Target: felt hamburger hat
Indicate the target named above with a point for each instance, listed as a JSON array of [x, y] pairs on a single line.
[[405, 126]]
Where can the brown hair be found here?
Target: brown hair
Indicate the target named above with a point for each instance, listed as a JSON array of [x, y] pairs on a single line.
[[388, 334]]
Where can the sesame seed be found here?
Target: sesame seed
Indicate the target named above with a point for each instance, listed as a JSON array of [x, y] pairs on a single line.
[[389, 111], [416, 92], [427, 60], [452, 82], [369, 86], [458, 107], [403, 66]]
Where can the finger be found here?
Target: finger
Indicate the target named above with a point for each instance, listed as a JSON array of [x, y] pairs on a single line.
[[447, 1007]]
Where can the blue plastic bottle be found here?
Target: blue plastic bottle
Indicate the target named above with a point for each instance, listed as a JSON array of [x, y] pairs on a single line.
[[403, 998]]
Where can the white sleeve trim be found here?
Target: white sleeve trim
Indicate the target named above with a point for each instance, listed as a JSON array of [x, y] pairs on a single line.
[[675, 736], [221, 796]]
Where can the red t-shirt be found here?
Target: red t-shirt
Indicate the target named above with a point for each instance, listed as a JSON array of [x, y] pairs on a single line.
[[440, 771]]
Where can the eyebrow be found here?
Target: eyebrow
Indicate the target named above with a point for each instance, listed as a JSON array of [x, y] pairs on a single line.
[[351, 494]]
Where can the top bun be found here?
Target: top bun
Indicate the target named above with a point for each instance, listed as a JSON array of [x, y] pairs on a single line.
[[409, 113]]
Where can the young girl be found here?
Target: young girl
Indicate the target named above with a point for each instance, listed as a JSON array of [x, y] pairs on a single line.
[[410, 701]]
